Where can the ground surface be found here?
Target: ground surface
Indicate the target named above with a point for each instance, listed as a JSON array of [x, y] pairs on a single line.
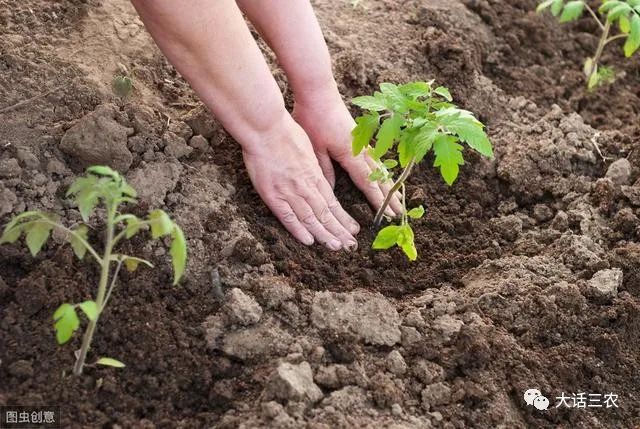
[[528, 274]]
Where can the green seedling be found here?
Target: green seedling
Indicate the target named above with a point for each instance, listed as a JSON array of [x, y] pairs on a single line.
[[100, 186], [414, 119], [623, 13], [122, 86]]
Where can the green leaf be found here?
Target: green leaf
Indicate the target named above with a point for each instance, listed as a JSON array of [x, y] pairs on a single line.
[[65, 322], [87, 200], [90, 308], [468, 129], [374, 103], [633, 40], [416, 212], [618, 11], [607, 5], [178, 252], [11, 235], [423, 141], [542, 6], [133, 226], [415, 89], [572, 11], [364, 131], [624, 24], [556, 7], [131, 262], [77, 245], [395, 98], [406, 242], [388, 133], [107, 361], [390, 163], [405, 147], [376, 175], [444, 93], [387, 237], [160, 223], [128, 190], [448, 157], [594, 79], [102, 170], [37, 234]]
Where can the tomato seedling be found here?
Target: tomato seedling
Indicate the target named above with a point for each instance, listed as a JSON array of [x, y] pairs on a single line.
[[101, 185], [624, 13], [413, 118]]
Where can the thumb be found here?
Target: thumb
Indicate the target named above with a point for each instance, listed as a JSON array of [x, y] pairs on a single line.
[[327, 167]]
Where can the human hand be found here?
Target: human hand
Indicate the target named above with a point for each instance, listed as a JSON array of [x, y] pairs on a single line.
[[328, 123], [285, 172]]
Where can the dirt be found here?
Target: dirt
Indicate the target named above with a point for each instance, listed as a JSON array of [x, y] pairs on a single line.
[[528, 271]]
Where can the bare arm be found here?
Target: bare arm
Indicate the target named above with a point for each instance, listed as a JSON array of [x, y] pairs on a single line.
[[210, 45]]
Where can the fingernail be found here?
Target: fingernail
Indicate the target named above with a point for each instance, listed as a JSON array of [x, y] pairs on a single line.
[[335, 245], [352, 246]]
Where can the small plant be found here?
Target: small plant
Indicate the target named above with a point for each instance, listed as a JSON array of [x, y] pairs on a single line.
[[415, 119], [624, 13], [100, 185]]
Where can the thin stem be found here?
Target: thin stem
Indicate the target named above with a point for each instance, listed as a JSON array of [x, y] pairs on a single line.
[[378, 219], [113, 283], [616, 37], [102, 288], [601, 45], [122, 233], [77, 236], [404, 204], [593, 14]]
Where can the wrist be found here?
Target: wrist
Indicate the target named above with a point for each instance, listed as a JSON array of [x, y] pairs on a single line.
[[268, 139], [318, 91]]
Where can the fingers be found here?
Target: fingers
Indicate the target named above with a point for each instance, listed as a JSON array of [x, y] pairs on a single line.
[[359, 169], [340, 214], [285, 214], [327, 168]]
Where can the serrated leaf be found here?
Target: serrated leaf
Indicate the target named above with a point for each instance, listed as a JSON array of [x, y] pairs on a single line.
[[416, 212], [423, 141], [160, 223], [396, 100], [90, 309], [633, 40], [448, 157], [387, 237], [373, 103], [444, 93], [87, 200], [80, 183], [618, 11], [406, 242], [388, 133], [77, 245], [572, 11], [366, 126], [65, 322], [178, 252], [608, 5], [468, 129], [556, 7], [406, 147], [107, 361], [415, 89], [37, 233]]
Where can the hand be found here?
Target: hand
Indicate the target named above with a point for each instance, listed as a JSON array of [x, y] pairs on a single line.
[[328, 123], [285, 172]]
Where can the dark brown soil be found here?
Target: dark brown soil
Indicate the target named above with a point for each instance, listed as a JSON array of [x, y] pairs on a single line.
[[499, 301]]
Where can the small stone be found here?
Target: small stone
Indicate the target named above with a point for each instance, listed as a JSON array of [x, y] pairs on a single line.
[[292, 382], [396, 410], [21, 369], [560, 221], [448, 325], [257, 342], [10, 168], [327, 376], [199, 143], [271, 409], [410, 336], [435, 394], [542, 212], [605, 283], [241, 308], [427, 372], [175, 145], [154, 181], [27, 158], [414, 318], [369, 316], [395, 363], [619, 172], [97, 139]]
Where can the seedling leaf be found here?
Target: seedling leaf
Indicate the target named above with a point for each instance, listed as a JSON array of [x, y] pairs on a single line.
[[107, 361], [387, 237], [160, 223], [364, 130], [388, 133], [416, 212], [369, 102], [448, 157], [37, 234], [178, 252], [633, 40], [90, 309], [444, 93], [66, 322], [78, 246], [572, 11], [406, 242]]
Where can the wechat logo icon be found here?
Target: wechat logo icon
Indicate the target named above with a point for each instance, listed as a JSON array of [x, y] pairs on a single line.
[[534, 397]]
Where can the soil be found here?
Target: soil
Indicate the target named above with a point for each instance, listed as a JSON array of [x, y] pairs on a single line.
[[528, 275]]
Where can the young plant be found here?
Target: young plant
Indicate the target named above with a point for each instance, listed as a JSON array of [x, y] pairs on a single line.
[[101, 185], [415, 119], [624, 13]]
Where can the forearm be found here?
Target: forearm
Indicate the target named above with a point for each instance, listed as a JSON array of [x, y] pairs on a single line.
[[293, 32], [210, 45]]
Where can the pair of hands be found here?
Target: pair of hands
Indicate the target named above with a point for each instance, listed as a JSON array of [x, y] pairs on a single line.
[[292, 172]]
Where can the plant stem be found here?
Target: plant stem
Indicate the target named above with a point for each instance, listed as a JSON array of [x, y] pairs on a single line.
[[102, 288], [114, 278], [404, 204], [601, 45], [593, 14], [378, 219]]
